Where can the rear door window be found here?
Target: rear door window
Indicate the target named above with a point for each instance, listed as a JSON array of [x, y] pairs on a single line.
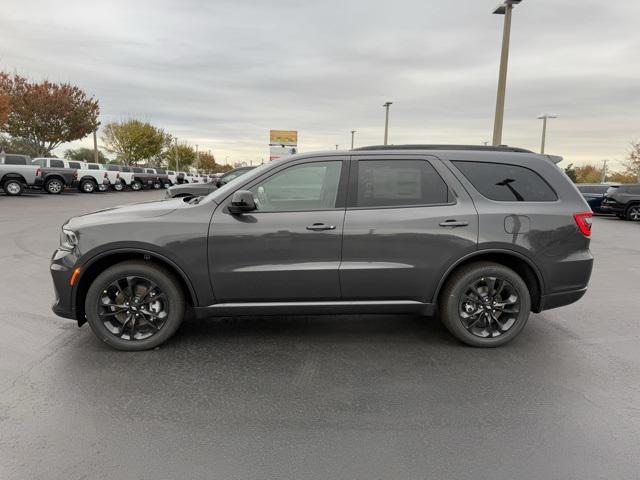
[[75, 165], [15, 160], [56, 163], [391, 183], [93, 166], [506, 183]]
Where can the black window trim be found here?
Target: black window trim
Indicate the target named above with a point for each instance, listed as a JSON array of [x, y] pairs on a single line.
[[352, 195], [341, 197], [462, 177]]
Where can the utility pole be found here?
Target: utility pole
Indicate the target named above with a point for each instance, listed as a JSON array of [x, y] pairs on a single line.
[[95, 146], [353, 133], [197, 156], [604, 171], [386, 121], [544, 117], [337, 146], [505, 9], [177, 156]]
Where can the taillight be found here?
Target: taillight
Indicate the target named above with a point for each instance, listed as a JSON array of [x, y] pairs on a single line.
[[117, 175], [39, 172], [105, 175], [75, 174], [584, 221]]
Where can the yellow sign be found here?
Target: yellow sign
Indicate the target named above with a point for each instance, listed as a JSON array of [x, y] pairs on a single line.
[[283, 137]]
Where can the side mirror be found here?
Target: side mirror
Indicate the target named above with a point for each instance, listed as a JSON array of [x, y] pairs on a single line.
[[241, 202], [218, 182]]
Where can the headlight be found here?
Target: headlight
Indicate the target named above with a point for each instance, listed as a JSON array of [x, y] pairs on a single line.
[[68, 238]]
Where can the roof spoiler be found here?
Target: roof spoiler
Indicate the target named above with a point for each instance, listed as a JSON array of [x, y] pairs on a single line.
[[555, 158]]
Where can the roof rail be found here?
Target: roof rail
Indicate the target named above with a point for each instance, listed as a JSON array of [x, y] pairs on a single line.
[[485, 148]]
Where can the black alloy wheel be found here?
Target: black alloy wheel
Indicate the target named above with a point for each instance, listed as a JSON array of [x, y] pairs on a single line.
[[134, 305], [485, 304]]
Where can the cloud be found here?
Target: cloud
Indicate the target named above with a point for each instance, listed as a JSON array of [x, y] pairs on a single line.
[[221, 74]]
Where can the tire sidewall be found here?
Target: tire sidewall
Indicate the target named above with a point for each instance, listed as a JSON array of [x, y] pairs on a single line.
[[451, 298], [54, 181], [628, 212], [84, 184], [12, 194], [165, 281], [136, 186]]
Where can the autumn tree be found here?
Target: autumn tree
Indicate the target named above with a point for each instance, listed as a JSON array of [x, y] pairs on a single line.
[[206, 162], [632, 163], [45, 115], [588, 173], [4, 109], [186, 157], [85, 155], [571, 172], [621, 177], [133, 141]]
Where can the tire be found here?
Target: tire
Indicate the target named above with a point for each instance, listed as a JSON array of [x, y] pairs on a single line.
[[54, 186], [87, 186], [136, 186], [112, 328], [157, 186], [13, 187], [633, 213], [485, 330]]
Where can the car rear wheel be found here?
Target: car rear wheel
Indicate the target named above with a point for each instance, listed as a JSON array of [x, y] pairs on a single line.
[[136, 186], [118, 187], [633, 213], [134, 306], [54, 186], [485, 304], [13, 188], [87, 186]]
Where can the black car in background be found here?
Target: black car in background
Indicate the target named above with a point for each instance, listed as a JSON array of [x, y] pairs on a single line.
[[593, 193], [623, 200]]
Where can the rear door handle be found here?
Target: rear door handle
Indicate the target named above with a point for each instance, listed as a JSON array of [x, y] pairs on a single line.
[[453, 223], [318, 227]]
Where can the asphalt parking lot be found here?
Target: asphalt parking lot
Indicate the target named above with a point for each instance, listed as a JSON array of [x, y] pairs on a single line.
[[366, 397]]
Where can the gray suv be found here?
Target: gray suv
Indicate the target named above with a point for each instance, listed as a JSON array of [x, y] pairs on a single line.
[[481, 236]]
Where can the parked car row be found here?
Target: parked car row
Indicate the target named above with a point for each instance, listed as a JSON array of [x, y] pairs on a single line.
[[54, 175], [620, 200]]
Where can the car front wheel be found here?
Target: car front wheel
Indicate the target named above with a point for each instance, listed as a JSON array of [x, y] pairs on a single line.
[[54, 186], [136, 186], [134, 306], [633, 213], [87, 186], [485, 304], [13, 188]]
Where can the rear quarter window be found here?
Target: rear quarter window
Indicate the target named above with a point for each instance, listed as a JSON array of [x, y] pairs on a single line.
[[506, 183]]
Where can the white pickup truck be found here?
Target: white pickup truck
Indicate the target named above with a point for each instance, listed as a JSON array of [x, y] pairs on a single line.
[[119, 176], [89, 179]]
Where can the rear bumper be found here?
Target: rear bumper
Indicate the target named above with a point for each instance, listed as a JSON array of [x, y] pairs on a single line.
[[609, 208], [555, 300]]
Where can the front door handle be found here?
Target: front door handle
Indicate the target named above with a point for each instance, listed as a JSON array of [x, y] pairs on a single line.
[[318, 227], [453, 223]]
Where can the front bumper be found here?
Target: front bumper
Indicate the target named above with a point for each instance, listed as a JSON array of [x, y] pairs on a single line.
[[63, 263]]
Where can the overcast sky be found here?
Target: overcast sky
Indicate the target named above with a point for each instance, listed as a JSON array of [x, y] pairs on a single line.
[[221, 73]]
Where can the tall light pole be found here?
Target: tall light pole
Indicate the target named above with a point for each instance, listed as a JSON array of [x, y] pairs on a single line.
[[353, 134], [505, 9], [544, 117], [337, 146], [604, 171], [177, 156], [386, 121], [95, 146]]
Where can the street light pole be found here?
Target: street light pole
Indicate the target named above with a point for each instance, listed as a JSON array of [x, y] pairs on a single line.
[[544, 117], [177, 159], [386, 121], [95, 146], [337, 146], [505, 9], [353, 133], [604, 171]]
